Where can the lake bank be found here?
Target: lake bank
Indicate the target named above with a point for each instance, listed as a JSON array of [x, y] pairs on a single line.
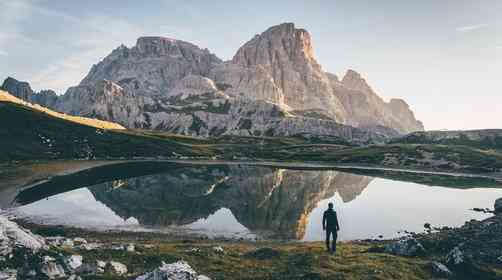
[[234, 259]]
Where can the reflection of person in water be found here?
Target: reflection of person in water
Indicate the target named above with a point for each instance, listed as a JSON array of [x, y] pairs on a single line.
[[330, 225]]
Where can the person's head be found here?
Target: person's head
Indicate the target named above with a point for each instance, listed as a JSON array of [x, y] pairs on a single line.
[[330, 205]]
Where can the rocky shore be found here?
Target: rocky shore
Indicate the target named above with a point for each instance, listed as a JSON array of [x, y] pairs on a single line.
[[24, 255], [473, 251]]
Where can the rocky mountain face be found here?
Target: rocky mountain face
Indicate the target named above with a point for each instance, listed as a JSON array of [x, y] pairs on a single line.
[[366, 109], [153, 66], [273, 86], [23, 91], [279, 66]]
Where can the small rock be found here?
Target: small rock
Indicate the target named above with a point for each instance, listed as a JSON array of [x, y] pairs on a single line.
[[55, 240], [79, 241], [130, 248], [218, 250], [118, 247], [498, 206], [194, 250], [68, 243], [176, 271], [73, 262], [51, 268], [499, 259], [8, 274], [455, 257], [408, 247], [116, 268], [440, 270], [90, 246]]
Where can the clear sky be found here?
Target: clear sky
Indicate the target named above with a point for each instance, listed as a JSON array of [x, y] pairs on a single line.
[[444, 57]]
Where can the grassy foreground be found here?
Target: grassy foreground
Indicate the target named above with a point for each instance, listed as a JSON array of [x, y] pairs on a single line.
[[288, 260]]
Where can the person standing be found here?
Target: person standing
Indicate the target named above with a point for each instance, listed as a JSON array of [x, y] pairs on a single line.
[[331, 226]]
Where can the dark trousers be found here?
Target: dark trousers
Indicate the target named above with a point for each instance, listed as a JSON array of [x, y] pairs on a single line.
[[329, 233]]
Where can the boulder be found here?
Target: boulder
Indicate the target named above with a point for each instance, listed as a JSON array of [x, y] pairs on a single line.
[[73, 262], [498, 206], [116, 268], [440, 270], [12, 235], [218, 250], [90, 246], [79, 241], [130, 248], [408, 247], [55, 240], [175, 271], [455, 257], [51, 268], [68, 243], [8, 274]]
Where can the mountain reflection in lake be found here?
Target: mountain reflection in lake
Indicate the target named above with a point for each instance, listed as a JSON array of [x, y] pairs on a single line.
[[248, 201]]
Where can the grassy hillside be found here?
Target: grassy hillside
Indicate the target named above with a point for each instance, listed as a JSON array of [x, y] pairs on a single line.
[[6, 97], [27, 134]]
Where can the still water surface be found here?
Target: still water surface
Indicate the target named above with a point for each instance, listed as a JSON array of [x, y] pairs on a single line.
[[250, 201]]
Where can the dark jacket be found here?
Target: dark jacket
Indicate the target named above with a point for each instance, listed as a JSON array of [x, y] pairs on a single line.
[[330, 220]]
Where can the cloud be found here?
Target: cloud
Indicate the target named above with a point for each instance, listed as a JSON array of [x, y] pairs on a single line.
[[470, 28], [3, 53], [69, 52]]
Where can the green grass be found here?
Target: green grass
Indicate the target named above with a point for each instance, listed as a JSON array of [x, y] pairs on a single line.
[[295, 261], [27, 134]]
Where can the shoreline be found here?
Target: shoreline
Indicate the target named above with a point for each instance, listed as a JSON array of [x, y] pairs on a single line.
[[83, 165]]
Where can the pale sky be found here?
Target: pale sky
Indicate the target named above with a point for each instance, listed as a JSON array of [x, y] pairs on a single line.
[[444, 57]]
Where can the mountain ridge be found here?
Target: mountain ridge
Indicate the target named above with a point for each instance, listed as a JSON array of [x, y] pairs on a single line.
[[139, 87]]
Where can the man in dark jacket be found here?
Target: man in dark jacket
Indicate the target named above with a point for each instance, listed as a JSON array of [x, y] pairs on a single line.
[[330, 225]]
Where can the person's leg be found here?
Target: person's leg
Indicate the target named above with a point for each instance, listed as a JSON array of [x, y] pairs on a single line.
[[335, 237], [328, 233]]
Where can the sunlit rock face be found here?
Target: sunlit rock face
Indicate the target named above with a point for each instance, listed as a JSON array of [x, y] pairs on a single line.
[[365, 109], [271, 202], [153, 66], [195, 107], [279, 65]]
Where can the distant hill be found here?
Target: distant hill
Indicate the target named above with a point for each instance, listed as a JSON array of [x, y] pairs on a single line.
[[30, 132], [483, 138]]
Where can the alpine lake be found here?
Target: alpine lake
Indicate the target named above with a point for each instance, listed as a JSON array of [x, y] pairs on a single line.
[[252, 201]]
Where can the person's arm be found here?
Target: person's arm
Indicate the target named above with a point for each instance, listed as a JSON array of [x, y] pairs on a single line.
[[324, 221], [337, 225]]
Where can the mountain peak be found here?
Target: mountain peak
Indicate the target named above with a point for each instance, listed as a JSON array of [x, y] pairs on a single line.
[[353, 80], [283, 41]]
